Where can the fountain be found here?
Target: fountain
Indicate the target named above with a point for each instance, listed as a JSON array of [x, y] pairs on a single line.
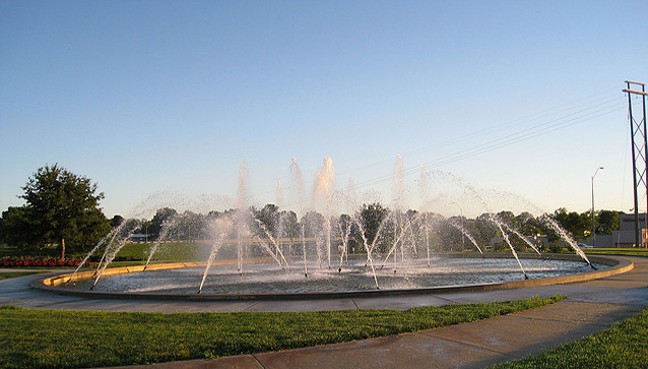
[[338, 247]]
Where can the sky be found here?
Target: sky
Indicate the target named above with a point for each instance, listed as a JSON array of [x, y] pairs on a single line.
[[448, 102]]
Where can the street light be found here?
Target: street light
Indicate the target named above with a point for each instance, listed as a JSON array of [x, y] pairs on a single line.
[[593, 225]]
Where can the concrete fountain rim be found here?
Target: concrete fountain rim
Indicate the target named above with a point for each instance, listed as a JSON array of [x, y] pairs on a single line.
[[51, 282]]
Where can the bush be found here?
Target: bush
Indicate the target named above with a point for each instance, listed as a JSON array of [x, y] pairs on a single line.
[[556, 247]]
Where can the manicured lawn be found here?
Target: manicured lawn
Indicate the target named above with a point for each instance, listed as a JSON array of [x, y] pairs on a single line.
[[617, 251], [168, 251], [14, 274], [34, 338], [623, 345]]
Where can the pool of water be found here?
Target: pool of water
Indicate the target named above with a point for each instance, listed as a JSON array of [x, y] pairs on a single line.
[[354, 276]]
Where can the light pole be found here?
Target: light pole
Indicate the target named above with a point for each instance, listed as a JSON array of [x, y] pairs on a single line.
[[593, 224]]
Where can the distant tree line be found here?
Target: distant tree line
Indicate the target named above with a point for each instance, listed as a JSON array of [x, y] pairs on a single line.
[[62, 210], [445, 233], [580, 224]]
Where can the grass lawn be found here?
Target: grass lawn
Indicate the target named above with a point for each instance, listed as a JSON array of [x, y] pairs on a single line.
[[167, 251], [617, 251], [623, 345], [34, 338], [14, 274]]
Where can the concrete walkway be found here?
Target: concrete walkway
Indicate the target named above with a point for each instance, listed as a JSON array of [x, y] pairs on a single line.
[[590, 307]]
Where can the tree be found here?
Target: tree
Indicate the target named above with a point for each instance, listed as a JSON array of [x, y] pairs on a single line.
[[451, 234], [312, 222], [289, 224], [486, 229], [528, 224], [63, 208], [14, 227], [574, 223], [163, 217], [371, 217], [269, 217], [116, 221], [190, 226], [608, 221]]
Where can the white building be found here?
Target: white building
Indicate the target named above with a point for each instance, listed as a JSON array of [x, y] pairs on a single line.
[[625, 236]]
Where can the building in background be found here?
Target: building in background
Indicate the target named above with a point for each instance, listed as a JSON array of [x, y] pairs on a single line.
[[625, 236]]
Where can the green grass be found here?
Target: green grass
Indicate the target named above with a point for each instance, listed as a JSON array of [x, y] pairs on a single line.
[[34, 338], [168, 251], [617, 251], [171, 251], [14, 274], [623, 345]]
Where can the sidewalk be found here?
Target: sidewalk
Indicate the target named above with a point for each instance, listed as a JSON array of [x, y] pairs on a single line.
[[590, 307]]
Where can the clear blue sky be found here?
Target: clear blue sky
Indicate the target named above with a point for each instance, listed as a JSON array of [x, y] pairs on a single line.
[[523, 97]]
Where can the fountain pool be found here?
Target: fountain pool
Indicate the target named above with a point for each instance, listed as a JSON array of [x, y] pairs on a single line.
[[263, 280], [248, 252]]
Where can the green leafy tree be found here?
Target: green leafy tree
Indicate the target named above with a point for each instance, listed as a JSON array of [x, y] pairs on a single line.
[[163, 217], [312, 223], [507, 216], [269, 217], [371, 217], [471, 227], [528, 224], [450, 234], [190, 226], [63, 208], [345, 224], [116, 221], [15, 228], [486, 229], [608, 221], [290, 224], [574, 223]]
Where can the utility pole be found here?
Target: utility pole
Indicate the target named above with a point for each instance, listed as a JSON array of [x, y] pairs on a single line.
[[639, 152], [593, 223]]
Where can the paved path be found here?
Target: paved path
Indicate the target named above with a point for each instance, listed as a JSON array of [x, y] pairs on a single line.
[[591, 306]]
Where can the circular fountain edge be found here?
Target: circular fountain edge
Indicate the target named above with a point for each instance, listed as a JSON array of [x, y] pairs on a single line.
[[618, 265]]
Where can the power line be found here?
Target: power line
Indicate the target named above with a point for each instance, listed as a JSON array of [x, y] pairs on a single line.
[[549, 113], [562, 122], [550, 120]]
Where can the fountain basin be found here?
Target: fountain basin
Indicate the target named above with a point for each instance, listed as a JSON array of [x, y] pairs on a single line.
[[450, 273]]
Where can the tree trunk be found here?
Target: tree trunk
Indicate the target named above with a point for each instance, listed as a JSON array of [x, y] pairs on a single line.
[[62, 248]]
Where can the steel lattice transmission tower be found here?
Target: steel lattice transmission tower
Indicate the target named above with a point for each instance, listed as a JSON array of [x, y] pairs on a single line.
[[637, 116]]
